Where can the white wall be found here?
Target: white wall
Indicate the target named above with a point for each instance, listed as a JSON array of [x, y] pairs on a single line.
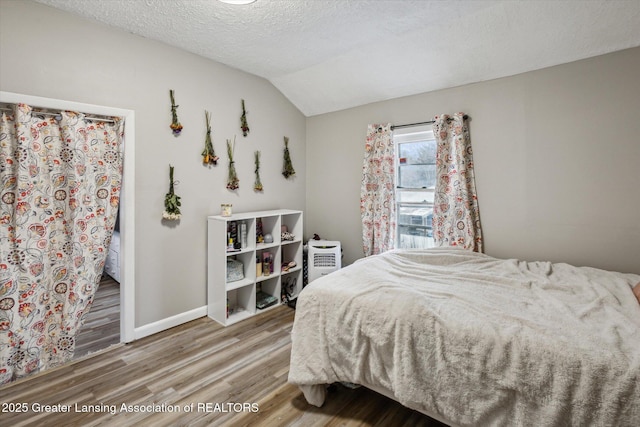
[[54, 54], [557, 156]]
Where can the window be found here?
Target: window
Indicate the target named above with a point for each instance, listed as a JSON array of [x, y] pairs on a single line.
[[415, 152]]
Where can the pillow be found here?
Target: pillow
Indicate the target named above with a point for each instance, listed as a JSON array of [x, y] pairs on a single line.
[[636, 291]]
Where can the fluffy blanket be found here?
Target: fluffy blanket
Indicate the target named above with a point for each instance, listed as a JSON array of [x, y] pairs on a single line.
[[474, 340]]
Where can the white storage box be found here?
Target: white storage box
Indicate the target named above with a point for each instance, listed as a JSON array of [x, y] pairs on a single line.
[[325, 256]]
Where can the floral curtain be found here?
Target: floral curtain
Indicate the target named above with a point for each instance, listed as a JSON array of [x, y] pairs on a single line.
[[377, 197], [456, 217], [60, 179]]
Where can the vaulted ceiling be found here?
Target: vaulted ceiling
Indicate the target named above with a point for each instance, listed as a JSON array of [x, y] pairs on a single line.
[[328, 55]]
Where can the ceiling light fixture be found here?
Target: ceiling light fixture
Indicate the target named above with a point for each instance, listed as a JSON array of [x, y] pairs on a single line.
[[237, 1]]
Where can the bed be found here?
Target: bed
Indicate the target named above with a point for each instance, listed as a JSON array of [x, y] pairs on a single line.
[[469, 339]]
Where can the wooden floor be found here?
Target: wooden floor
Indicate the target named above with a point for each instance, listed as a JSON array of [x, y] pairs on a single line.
[[222, 376], [101, 329]]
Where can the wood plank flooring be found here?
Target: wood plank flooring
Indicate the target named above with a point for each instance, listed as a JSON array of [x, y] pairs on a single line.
[[232, 376], [102, 326]]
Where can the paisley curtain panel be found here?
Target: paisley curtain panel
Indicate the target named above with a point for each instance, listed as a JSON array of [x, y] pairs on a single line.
[[60, 180], [377, 196], [456, 216]]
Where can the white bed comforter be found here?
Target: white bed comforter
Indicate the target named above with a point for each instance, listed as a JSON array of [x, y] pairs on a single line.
[[474, 340]]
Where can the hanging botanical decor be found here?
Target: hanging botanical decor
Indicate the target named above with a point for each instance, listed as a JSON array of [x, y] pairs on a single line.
[[257, 186], [208, 154], [233, 182], [171, 201], [287, 170], [176, 127], [243, 121]]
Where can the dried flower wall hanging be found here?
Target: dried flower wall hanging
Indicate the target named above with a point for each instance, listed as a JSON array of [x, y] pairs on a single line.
[[208, 154], [243, 121], [287, 169], [233, 182], [176, 127], [257, 186], [171, 201]]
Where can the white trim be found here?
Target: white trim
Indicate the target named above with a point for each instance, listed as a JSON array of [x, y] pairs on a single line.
[[170, 322], [60, 104], [128, 233], [127, 220]]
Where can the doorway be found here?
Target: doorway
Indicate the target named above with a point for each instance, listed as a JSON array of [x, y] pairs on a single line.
[[127, 219]]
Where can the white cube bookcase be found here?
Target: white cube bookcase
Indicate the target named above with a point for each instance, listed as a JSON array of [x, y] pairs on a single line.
[[229, 302]]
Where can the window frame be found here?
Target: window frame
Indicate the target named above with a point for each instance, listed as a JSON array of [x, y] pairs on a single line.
[[411, 135]]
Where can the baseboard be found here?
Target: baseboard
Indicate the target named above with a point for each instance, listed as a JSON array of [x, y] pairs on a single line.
[[169, 322]]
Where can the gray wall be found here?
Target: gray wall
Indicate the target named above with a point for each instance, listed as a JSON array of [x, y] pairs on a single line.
[[557, 155], [556, 150], [53, 54]]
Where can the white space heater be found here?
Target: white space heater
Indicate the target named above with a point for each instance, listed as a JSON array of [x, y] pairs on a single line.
[[325, 256]]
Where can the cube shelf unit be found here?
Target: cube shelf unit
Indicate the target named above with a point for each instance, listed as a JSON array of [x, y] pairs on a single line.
[[229, 302]]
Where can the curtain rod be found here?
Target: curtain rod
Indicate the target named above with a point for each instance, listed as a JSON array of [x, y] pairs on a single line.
[[46, 113], [430, 122]]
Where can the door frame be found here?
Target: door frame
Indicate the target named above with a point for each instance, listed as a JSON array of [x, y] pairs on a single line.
[[127, 196]]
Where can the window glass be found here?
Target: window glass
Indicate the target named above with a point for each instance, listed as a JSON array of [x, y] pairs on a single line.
[[416, 176], [417, 153]]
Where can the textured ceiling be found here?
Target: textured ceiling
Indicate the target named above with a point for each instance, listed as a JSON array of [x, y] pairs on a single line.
[[328, 55]]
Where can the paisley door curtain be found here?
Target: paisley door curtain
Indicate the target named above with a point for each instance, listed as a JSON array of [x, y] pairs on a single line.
[[456, 216], [377, 193], [60, 180]]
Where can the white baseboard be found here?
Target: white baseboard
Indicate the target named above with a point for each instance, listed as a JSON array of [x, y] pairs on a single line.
[[169, 322]]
